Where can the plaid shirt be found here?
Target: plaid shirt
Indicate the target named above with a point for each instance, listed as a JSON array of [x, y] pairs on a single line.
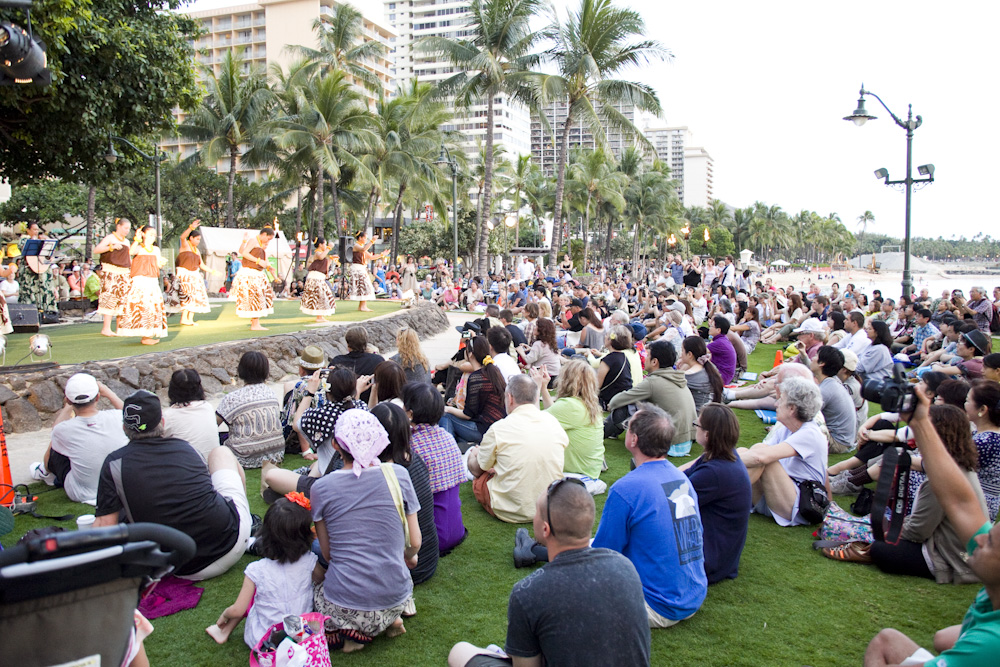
[[440, 453], [920, 334]]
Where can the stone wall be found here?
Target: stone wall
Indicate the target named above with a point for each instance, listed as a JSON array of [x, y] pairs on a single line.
[[29, 401]]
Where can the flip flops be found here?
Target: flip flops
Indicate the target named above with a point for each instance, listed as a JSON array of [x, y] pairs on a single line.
[[851, 552]]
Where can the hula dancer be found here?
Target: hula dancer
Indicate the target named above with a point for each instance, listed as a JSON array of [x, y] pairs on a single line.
[[252, 289], [190, 284], [144, 314], [317, 298], [37, 283], [6, 327], [116, 263], [359, 282]]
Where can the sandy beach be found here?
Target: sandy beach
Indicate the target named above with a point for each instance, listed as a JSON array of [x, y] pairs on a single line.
[[889, 282]]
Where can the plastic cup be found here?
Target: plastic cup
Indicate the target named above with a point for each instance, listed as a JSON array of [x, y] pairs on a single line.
[[85, 522]]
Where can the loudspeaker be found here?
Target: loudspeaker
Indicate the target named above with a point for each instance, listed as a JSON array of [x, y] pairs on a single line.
[[23, 317], [346, 249]]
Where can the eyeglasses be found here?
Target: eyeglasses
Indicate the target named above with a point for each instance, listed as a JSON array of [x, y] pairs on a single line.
[[551, 492], [696, 424]]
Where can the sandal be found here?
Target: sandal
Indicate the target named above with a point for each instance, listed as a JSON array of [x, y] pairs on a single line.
[[852, 552]]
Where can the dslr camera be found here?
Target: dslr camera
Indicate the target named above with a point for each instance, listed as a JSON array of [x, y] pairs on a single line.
[[895, 394]]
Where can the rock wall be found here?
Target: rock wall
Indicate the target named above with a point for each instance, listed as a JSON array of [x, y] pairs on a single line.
[[29, 401]]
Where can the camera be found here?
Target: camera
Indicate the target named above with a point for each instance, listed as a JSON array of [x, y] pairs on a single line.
[[895, 395]]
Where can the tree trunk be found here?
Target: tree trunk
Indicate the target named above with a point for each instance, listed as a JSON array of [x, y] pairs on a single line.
[[560, 189], [397, 221], [319, 213], [484, 237], [586, 232], [370, 208], [298, 223], [607, 240], [91, 203], [474, 255], [335, 199], [230, 217]]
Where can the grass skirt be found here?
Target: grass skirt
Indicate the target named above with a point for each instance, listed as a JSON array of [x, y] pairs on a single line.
[[191, 294], [144, 314], [252, 293], [115, 287]]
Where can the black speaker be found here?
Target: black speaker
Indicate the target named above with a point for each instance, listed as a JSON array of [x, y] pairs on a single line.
[[346, 249], [23, 317]]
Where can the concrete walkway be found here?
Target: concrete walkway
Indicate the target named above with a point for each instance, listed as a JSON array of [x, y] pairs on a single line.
[[25, 448]]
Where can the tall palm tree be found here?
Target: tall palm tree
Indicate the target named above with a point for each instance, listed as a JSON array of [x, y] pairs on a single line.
[[739, 225], [590, 47], [718, 214], [517, 182], [539, 194], [334, 125], [491, 61], [342, 46], [233, 112], [648, 196], [863, 221], [593, 181]]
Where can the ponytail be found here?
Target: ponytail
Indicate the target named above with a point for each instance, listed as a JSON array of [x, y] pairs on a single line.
[[714, 379], [480, 349]]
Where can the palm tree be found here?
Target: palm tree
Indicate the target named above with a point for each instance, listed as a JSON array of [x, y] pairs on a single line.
[[342, 46], [740, 225], [718, 214], [539, 194], [231, 115], [483, 176], [333, 125], [863, 221], [517, 181], [590, 47], [490, 63], [649, 196], [593, 181]]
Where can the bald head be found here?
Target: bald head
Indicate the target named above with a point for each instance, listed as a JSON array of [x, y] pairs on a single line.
[[793, 370]]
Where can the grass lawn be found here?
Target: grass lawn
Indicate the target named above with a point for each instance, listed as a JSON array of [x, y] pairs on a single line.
[[77, 343], [789, 606]]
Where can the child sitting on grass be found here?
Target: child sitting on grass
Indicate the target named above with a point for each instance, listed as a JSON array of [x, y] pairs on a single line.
[[280, 583]]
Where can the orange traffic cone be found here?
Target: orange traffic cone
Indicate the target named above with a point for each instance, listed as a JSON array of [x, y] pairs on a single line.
[[6, 481], [779, 357]]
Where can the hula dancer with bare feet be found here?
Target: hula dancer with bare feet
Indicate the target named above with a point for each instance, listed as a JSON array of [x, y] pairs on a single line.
[[252, 289], [317, 298], [190, 284], [116, 266], [144, 311], [359, 282]]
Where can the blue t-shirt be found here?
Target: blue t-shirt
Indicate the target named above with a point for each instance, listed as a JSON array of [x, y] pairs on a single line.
[[724, 497], [651, 517], [677, 273]]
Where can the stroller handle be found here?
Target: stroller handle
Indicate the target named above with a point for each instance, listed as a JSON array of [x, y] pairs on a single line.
[[180, 547]]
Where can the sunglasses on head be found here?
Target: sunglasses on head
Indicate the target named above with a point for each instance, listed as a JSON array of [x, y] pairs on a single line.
[[552, 492]]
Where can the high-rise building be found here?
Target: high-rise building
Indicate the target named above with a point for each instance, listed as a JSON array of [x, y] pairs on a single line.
[[413, 20], [698, 177], [261, 33], [545, 144], [690, 166]]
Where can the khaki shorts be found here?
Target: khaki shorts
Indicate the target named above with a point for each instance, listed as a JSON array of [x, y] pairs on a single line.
[[657, 621]]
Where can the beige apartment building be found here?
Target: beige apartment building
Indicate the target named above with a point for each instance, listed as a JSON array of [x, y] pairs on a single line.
[[260, 32]]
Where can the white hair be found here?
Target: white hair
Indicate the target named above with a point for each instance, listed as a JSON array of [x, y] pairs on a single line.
[[803, 396], [619, 317]]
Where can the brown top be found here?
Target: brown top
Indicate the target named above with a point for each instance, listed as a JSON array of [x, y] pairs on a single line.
[[259, 253], [188, 260], [146, 265], [358, 257], [119, 257], [321, 265]]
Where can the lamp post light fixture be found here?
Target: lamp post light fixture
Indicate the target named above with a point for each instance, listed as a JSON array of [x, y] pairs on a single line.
[[859, 118], [156, 158], [445, 158]]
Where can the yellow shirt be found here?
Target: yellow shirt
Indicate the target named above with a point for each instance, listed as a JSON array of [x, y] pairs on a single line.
[[526, 450]]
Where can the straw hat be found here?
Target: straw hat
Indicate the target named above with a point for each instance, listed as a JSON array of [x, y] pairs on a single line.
[[312, 358]]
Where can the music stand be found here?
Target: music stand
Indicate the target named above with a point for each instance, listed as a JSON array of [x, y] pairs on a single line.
[[41, 248]]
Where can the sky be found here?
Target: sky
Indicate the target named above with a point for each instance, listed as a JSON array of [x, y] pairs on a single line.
[[764, 86]]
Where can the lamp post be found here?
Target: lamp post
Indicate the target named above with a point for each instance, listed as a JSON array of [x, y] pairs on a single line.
[[509, 221], [156, 158], [859, 118], [446, 158]]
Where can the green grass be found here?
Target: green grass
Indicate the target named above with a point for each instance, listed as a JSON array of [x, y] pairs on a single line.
[[789, 606], [77, 343]]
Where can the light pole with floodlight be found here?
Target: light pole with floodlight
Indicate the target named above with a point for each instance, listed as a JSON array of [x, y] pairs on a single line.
[[859, 118], [446, 158], [156, 158]]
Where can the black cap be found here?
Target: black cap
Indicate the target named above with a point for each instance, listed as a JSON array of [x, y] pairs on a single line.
[[978, 340], [141, 412], [469, 326], [577, 303]]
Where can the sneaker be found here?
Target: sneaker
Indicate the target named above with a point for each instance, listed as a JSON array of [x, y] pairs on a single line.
[[523, 556], [728, 395], [255, 523], [253, 547], [38, 472], [842, 485]]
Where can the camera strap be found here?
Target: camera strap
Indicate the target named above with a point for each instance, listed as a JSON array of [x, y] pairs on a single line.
[[892, 493]]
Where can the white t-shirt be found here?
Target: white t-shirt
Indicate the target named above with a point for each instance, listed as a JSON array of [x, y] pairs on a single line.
[[506, 365], [282, 589], [811, 446], [699, 309], [525, 270], [86, 442], [195, 423]]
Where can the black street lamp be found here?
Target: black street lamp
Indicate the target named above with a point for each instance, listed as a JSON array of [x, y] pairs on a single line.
[[156, 158], [859, 118], [446, 158]]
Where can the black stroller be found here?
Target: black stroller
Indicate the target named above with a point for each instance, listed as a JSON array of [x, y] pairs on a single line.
[[71, 596]]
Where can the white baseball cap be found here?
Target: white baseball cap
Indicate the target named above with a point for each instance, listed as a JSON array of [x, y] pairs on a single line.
[[812, 325], [850, 360], [82, 388]]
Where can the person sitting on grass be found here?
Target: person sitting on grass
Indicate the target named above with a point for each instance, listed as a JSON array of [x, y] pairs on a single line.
[[424, 406], [928, 546], [794, 451], [838, 407], [362, 536], [721, 348], [978, 637], [519, 455], [724, 495], [973, 345], [358, 358], [544, 619], [280, 583], [544, 351], [500, 347], [484, 390], [576, 409], [253, 415]]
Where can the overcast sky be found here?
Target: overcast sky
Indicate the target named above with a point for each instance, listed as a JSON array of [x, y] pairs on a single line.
[[764, 85]]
